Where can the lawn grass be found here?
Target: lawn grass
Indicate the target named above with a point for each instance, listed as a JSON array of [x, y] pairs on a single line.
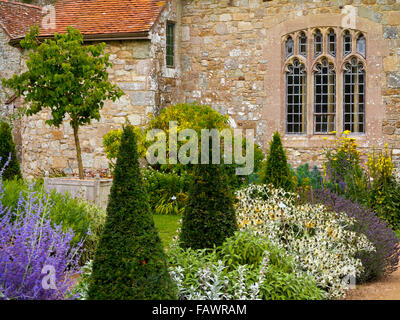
[[167, 226]]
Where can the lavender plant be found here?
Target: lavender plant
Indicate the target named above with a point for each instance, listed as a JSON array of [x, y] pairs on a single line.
[[377, 263], [36, 256]]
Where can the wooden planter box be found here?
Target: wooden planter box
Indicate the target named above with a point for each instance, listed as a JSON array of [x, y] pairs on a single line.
[[92, 190]]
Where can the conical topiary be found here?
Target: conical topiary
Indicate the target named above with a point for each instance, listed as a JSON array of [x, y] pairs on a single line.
[[7, 147], [276, 170], [130, 262], [209, 217]]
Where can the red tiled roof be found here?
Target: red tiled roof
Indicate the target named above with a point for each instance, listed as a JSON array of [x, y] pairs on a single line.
[[106, 17], [16, 18]]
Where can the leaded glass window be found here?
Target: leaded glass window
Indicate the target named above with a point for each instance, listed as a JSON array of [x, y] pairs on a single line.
[[296, 79], [354, 96], [332, 43], [303, 44], [289, 47], [318, 43], [361, 44], [347, 45], [324, 97], [316, 68], [170, 45]]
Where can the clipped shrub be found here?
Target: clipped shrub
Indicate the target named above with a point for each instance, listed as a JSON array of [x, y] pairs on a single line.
[[276, 170], [32, 247], [7, 149], [385, 258], [209, 217], [129, 263]]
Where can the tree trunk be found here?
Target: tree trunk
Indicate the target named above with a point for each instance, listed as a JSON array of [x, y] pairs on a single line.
[[78, 151]]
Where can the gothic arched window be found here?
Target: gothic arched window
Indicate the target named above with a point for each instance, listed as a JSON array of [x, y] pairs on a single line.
[[289, 47], [303, 44], [347, 43], [318, 43], [334, 92], [354, 96], [361, 44], [295, 97], [332, 43], [324, 97]]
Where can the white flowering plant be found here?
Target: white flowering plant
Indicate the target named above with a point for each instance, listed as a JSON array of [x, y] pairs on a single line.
[[320, 241]]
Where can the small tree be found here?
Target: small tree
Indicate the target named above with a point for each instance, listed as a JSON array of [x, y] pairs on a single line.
[[7, 147], [276, 170], [209, 217], [68, 78], [130, 262]]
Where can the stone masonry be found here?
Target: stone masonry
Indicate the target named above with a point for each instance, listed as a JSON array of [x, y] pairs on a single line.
[[229, 54]]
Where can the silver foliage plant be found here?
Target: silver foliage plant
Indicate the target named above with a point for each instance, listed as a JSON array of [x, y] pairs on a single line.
[[213, 282]]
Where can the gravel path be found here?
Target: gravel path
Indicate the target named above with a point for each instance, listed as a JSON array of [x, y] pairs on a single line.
[[384, 289]]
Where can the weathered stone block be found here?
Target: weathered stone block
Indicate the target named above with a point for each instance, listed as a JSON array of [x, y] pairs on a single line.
[[134, 119], [141, 49], [132, 86], [390, 32], [393, 79], [142, 98]]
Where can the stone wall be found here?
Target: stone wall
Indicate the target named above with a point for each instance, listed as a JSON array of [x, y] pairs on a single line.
[[46, 148], [167, 79], [139, 70], [229, 55], [10, 63], [232, 59]]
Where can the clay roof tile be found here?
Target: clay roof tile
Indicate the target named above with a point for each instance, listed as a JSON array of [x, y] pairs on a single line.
[[16, 18], [105, 17]]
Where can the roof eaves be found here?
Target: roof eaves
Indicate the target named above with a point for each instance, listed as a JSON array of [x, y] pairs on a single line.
[[99, 37], [22, 4]]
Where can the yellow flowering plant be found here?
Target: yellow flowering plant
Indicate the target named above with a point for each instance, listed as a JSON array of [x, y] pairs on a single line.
[[372, 185], [383, 190], [380, 166], [342, 171]]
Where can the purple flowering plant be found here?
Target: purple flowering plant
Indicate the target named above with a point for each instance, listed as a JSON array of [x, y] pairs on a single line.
[[37, 260], [377, 263]]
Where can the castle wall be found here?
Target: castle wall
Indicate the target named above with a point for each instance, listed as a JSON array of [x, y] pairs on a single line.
[[232, 59]]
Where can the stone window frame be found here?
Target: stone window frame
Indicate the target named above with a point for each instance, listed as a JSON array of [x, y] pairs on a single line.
[[168, 24], [310, 62]]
